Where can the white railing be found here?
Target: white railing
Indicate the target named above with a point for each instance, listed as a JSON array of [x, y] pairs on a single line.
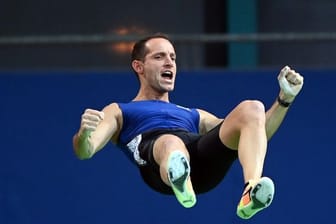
[[178, 38]]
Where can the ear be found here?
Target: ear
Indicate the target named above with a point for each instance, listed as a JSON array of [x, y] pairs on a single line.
[[137, 66]]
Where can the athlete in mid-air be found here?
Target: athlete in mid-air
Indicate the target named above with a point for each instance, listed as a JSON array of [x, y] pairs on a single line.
[[187, 151]]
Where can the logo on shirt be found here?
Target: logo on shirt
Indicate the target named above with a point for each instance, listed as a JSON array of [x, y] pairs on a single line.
[[184, 108]]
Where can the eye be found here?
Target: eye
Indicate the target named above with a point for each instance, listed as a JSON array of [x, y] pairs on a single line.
[[158, 56], [173, 57]]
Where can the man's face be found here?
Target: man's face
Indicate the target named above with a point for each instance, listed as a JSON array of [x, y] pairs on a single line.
[[160, 65]]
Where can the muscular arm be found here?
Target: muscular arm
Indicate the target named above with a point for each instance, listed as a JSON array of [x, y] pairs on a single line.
[[290, 83], [274, 117], [97, 128]]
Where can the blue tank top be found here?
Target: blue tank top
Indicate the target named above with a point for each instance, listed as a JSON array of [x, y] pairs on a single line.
[[147, 115]]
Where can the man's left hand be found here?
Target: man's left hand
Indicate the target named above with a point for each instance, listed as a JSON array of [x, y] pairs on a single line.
[[290, 83]]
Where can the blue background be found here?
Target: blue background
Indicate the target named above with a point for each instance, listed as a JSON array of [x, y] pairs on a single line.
[[41, 181]]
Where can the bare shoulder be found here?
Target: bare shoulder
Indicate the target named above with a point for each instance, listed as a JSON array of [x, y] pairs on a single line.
[[112, 108], [113, 117], [113, 112], [207, 121]]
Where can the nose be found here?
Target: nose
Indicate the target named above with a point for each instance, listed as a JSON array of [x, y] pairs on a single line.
[[169, 61]]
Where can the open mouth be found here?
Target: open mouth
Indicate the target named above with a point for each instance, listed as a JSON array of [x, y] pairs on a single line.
[[167, 75]]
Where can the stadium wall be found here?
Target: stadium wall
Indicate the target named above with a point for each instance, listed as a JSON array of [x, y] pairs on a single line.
[[41, 181]]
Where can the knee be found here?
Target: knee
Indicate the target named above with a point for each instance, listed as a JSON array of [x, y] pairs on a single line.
[[252, 111], [165, 145], [169, 142]]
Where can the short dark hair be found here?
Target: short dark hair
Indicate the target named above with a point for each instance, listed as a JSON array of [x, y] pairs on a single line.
[[139, 49]]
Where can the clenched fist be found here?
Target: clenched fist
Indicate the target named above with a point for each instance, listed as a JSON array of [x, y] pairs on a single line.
[[90, 120], [290, 83]]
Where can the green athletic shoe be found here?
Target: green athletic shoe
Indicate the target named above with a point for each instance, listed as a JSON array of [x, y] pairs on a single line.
[[256, 197], [178, 174]]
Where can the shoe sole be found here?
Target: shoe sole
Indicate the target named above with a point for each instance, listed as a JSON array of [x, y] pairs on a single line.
[[261, 197], [178, 174]]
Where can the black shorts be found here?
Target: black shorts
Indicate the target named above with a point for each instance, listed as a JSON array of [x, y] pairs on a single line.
[[210, 159]]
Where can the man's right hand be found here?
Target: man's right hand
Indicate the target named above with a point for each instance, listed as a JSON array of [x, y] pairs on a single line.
[[89, 122]]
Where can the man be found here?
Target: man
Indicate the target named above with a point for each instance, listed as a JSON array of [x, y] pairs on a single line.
[[187, 151]]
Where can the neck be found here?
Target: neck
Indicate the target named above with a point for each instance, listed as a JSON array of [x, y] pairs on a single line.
[[142, 97], [152, 96]]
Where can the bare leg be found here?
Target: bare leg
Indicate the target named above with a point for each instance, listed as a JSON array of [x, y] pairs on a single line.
[[252, 149], [244, 129], [173, 158], [162, 148]]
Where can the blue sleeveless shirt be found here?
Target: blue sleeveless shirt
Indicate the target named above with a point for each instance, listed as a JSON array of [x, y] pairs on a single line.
[[148, 115]]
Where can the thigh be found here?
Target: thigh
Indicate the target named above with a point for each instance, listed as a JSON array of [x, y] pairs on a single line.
[[210, 160], [151, 171]]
